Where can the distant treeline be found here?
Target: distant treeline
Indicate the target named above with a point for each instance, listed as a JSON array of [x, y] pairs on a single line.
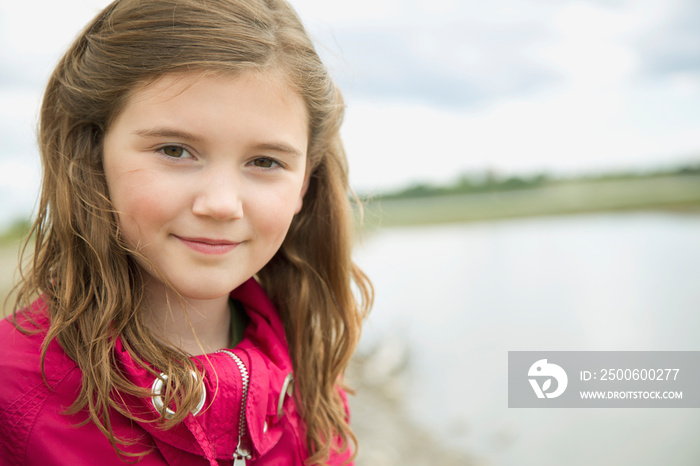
[[15, 230], [490, 181]]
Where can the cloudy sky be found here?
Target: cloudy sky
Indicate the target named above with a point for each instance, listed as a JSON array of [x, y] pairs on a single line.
[[436, 88]]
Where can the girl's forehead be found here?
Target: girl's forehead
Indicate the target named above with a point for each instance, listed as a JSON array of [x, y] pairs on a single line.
[[174, 83], [169, 86], [249, 104]]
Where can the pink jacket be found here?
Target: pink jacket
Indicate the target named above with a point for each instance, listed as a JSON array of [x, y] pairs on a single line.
[[34, 430]]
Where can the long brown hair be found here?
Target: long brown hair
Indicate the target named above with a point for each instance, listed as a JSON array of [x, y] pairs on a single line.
[[86, 273]]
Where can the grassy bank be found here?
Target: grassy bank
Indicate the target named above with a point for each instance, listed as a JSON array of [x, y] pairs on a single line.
[[571, 197], [9, 250]]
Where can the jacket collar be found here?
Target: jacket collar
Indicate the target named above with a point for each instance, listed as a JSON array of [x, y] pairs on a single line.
[[215, 428]]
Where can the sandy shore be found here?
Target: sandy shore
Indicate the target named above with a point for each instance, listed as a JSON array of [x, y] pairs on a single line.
[[386, 434]]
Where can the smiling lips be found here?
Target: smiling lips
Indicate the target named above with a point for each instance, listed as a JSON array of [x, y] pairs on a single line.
[[208, 245]]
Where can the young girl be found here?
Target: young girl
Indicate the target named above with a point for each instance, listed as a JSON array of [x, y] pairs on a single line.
[[190, 296]]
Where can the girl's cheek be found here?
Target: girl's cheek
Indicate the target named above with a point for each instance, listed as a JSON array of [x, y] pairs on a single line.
[[141, 200], [276, 215]]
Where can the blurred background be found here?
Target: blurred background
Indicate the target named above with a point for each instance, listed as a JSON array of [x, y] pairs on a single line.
[[531, 177]]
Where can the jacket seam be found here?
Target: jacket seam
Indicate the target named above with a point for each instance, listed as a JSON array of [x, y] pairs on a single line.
[[40, 407]]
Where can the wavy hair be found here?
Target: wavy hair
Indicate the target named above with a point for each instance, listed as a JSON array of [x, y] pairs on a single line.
[[88, 275]]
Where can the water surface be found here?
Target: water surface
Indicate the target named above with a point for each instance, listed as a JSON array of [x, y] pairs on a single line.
[[461, 296]]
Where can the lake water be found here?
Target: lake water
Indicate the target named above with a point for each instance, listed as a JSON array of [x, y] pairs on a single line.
[[459, 297]]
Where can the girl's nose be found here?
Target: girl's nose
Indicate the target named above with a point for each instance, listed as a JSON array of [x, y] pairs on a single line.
[[219, 196]]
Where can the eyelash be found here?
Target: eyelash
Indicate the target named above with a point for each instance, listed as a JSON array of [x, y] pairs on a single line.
[[275, 163], [161, 150]]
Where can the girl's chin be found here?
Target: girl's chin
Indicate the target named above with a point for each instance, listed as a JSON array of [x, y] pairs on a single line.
[[203, 288], [203, 292], [206, 294]]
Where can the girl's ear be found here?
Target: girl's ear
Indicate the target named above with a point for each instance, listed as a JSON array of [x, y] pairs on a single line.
[[304, 188]]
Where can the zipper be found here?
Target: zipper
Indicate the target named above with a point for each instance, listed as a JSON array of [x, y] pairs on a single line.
[[241, 454]]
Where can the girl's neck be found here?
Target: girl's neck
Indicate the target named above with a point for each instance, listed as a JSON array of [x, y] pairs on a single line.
[[194, 326]]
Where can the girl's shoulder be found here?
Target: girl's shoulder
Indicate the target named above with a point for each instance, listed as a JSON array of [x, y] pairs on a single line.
[[24, 390], [21, 342], [34, 425]]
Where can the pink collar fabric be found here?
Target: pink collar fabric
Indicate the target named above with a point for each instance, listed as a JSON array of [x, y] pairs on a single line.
[[214, 432]]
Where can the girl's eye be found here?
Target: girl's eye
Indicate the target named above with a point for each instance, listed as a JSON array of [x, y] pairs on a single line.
[[265, 162], [176, 152]]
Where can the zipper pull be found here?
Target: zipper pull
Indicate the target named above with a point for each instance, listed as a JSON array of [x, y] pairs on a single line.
[[240, 455]]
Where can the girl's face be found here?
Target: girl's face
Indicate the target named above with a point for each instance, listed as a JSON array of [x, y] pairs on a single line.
[[206, 173]]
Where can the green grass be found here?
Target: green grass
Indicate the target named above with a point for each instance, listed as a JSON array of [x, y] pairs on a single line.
[[9, 250], [666, 192]]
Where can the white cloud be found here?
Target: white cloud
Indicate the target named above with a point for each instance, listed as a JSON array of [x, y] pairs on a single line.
[[348, 12], [558, 132], [439, 86], [41, 28], [18, 117], [34, 34], [19, 185]]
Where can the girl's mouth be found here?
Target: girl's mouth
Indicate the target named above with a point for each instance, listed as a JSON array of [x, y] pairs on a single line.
[[212, 246]]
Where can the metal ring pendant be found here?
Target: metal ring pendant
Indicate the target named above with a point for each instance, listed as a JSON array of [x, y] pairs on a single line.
[[286, 391], [157, 398]]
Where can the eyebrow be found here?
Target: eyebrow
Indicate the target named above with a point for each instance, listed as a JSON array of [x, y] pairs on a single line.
[[176, 133], [167, 133], [280, 147]]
